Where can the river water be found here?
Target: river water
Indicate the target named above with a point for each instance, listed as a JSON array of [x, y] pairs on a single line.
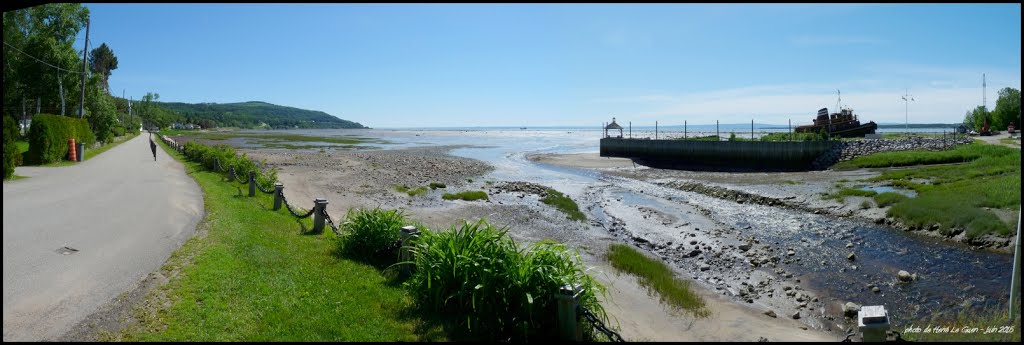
[[952, 276]]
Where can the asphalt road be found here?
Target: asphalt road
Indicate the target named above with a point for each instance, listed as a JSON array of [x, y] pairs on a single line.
[[123, 213]]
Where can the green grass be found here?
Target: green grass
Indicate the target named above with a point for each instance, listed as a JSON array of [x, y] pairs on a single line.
[[889, 198], [658, 277], [17, 177], [564, 204], [952, 195], [253, 276], [792, 182], [367, 232], [959, 154], [972, 326], [436, 185], [90, 153], [283, 140], [497, 291], [704, 138], [466, 195], [865, 205], [411, 191], [1010, 141], [22, 146], [845, 192]]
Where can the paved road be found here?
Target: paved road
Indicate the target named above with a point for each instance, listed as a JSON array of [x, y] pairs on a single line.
[[122, 211]]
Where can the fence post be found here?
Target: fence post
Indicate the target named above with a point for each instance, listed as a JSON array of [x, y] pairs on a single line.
[[404, 253], [252, 183], [568, 320], [278, 191], [319, 204], [231, 171]]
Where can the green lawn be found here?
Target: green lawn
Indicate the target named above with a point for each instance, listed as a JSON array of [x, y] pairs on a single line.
[[952, 195], [252, 275], [466, 195]]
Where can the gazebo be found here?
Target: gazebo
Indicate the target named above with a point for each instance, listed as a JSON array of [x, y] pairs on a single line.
[[612, 125]]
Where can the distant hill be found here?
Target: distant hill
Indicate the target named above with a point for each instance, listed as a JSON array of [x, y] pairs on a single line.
[[253, 114], [918, 125]]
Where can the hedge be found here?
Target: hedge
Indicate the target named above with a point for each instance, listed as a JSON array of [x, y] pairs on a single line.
[[48, 137], [208, 156], [11, 154]]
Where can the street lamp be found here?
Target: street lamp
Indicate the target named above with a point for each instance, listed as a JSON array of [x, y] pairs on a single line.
[[906, 106]]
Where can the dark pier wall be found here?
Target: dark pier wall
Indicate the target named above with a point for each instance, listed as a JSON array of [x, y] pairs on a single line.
[[796, 155]]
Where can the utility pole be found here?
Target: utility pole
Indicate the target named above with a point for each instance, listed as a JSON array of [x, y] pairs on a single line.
[[984, 93], [85, 63], [906, 106], [60, 85]]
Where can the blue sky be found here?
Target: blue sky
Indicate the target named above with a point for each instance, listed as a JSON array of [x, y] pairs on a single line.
[[438, 65]]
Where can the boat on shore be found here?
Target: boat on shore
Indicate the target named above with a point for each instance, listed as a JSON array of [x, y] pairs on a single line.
[[842, 124]]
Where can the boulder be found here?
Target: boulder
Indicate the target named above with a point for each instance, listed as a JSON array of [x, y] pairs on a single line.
[[904, 276], [851, 309]]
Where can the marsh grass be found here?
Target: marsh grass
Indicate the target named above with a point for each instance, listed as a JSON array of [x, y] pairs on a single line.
[[436, 185], [657, 277], [952, 195], [564, 204], [411, 191], [466, 195], [889, 198], [846, 192]]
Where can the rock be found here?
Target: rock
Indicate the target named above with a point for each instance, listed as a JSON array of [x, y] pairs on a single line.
[[744, 247], [639, 239], [787, 288], [693, 253], [876, 290], [904, 276], [790, 253], [851, 309], [796, 315], [705, 267], [851, 257], [849, 244], [771, 314]]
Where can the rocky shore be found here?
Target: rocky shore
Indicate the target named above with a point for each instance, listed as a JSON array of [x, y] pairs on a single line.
[[847, 150]]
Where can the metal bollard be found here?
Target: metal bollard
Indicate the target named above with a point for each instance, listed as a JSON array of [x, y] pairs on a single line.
[[568, 320], [252, 183], [319, 204], [873, 322], [278, 190], [405, 253]]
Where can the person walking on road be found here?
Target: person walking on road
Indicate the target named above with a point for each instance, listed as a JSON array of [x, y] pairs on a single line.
[[152, 146]]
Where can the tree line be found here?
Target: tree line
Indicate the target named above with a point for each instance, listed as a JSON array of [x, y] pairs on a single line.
[[43, 70], [1007, 111]]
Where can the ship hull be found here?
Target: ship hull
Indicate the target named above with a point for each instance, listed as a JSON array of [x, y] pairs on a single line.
[[848, 132]]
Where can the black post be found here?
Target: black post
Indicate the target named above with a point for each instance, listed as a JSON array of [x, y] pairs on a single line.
[[85, 63], [716, 131], [252, 183], [278, 190]]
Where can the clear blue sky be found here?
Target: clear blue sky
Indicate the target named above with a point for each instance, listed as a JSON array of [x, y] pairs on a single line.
[[408, 65]]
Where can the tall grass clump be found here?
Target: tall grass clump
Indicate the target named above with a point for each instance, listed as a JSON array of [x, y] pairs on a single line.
[[889, 198], [564, 204], [411, 191], [467, 195], [845, 192], [366, 232], [658, 277], [492, 289]]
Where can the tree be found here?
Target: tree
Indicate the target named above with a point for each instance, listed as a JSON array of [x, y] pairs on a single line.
[[103, 61], [46, 32], [101, 114], [1007, 109], [978, 117]]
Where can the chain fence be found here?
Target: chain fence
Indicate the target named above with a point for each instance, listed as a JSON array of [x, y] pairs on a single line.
[[330, 223], [598, 325], [296, 214], [258, 186]]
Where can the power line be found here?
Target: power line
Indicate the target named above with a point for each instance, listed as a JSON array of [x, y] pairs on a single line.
[[38, 59]]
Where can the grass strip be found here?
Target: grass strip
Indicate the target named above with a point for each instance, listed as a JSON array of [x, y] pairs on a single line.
[[658, 277]]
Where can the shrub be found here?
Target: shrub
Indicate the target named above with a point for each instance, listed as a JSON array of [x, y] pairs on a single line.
[[11, 154], [467, 195], [208, 156], [478, 274], [368, 232], [48, 137]]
